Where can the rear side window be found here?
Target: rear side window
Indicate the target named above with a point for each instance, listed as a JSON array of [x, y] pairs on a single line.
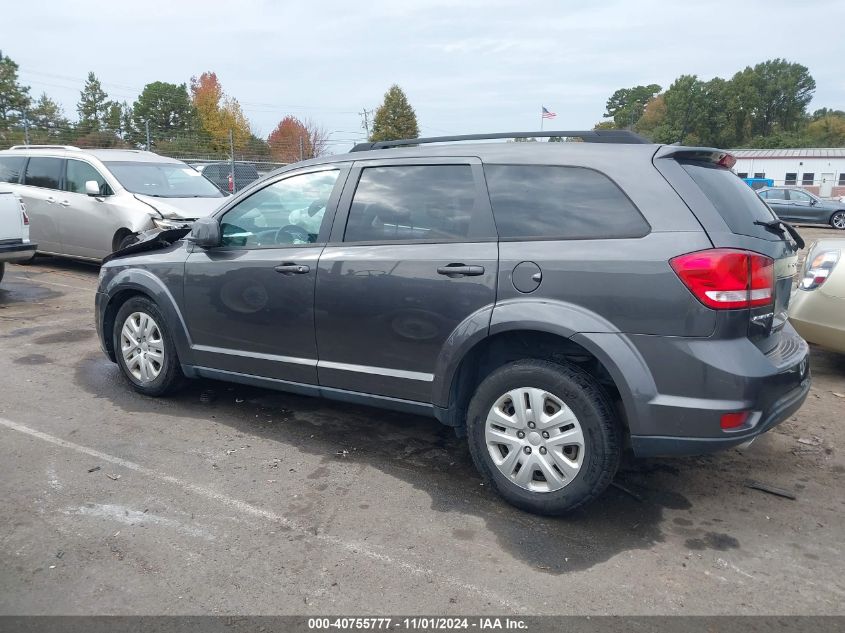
[[412, 202], [549, 202], [735, 201], [245, 171], [43, 172], [10, 168], [775, 194]]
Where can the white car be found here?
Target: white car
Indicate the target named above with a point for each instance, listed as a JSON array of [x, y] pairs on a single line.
[[87, 204], [14, 231], [817, 306]]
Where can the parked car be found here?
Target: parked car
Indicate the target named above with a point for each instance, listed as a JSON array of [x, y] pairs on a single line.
[[14, 231], [221, 175], [555, 302], [758, 183], [801, 206], [87, 203], [817, 309]]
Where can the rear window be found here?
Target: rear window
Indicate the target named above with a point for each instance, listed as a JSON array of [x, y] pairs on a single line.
[[565, 203], [735, 201], [10, 168]]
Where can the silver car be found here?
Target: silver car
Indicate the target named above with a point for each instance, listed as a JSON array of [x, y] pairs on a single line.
[[86, 204]]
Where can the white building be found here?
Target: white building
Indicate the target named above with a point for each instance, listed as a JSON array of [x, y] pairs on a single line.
[[820, 170]]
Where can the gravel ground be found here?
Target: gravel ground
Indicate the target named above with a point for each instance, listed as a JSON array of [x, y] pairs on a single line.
[[231, 500]]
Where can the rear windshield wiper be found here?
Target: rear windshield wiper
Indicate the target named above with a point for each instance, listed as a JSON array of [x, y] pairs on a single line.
[[783, 227]]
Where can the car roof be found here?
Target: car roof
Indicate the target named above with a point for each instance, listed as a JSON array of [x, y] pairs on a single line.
[[104, 155], [501, 152]]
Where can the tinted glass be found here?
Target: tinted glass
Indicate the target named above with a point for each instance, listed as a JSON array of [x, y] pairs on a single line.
[[735, 201], [412, 202], [289, 211], [10, 168], [78, 173], [537, 201], [43, 172], [163, 180], [775, 194], [245, 171], [799, 196]]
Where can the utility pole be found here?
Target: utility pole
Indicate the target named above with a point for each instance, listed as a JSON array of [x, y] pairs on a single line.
[[301, 149], [366, 125], [25, 129], [147, 128], [232, 149]]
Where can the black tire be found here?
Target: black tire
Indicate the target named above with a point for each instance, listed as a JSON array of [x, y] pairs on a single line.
[[170, 376], [837, 220], [127, 240], [2, 270], [587, 400]]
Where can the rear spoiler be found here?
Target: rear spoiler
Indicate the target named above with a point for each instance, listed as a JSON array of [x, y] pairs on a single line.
[[700, 154]]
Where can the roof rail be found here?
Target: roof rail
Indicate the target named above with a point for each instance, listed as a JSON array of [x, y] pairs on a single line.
[[44, 147], [588, 136]]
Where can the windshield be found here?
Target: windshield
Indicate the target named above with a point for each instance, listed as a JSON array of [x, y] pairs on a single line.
[[163, 180]]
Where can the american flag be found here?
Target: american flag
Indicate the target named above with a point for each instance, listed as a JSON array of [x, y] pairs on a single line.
[[546, 114]]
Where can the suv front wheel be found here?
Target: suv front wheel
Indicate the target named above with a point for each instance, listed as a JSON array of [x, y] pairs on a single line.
[[544, 435], [144, 348]]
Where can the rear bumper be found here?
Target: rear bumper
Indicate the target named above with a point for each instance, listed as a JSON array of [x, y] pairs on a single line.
[[654, 445], [697, 381], [17, 252]]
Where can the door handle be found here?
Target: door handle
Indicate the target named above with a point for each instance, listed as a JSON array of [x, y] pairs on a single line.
[[292, 269], [51, 199], [460, 270], [65, 203]]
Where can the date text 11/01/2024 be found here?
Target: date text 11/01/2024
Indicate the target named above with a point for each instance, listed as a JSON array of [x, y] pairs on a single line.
[[417, 623]]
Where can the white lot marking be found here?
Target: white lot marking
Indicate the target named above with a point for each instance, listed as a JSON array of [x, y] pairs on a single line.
[[49, 283], [53, 478], [122, 514], [247, 508]]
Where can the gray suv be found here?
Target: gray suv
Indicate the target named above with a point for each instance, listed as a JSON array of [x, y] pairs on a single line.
[[557, 303]]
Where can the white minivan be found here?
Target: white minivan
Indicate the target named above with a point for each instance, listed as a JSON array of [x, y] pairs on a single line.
[[86, 204]]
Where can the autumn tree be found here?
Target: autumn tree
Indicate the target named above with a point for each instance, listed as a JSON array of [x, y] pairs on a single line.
[[14, 100], [294, 140], [94, 106], [395, 118], [218, 113], [626, 105]]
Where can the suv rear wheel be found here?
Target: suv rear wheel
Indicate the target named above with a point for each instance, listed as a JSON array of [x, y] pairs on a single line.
[[144, 348], [544, 435]]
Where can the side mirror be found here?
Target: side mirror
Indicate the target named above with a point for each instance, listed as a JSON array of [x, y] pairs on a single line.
[[205, 233], [813, 202], [92, 188]]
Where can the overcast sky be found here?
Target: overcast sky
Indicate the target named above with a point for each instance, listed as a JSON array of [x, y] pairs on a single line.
[[466, 65]]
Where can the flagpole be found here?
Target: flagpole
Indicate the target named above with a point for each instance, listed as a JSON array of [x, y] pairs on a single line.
[[541, 118]]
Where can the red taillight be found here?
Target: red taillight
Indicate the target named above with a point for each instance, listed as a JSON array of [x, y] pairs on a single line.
[[734, 420], [25, 217], [726, 160], [231, 183], [727, 279]]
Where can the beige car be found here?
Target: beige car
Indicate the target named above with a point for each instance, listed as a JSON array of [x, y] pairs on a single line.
[[817, 307]]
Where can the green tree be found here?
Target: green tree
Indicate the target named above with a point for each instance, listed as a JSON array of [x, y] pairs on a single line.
[[14, 101], [827, 130], [93, 107], [168, 110], [626, 105], [395, 118], [48, 123]]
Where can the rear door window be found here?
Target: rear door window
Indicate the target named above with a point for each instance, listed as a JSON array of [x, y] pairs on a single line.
[[735, 201], [563, 203], [43, 172], [10, 168], [413, 202]]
